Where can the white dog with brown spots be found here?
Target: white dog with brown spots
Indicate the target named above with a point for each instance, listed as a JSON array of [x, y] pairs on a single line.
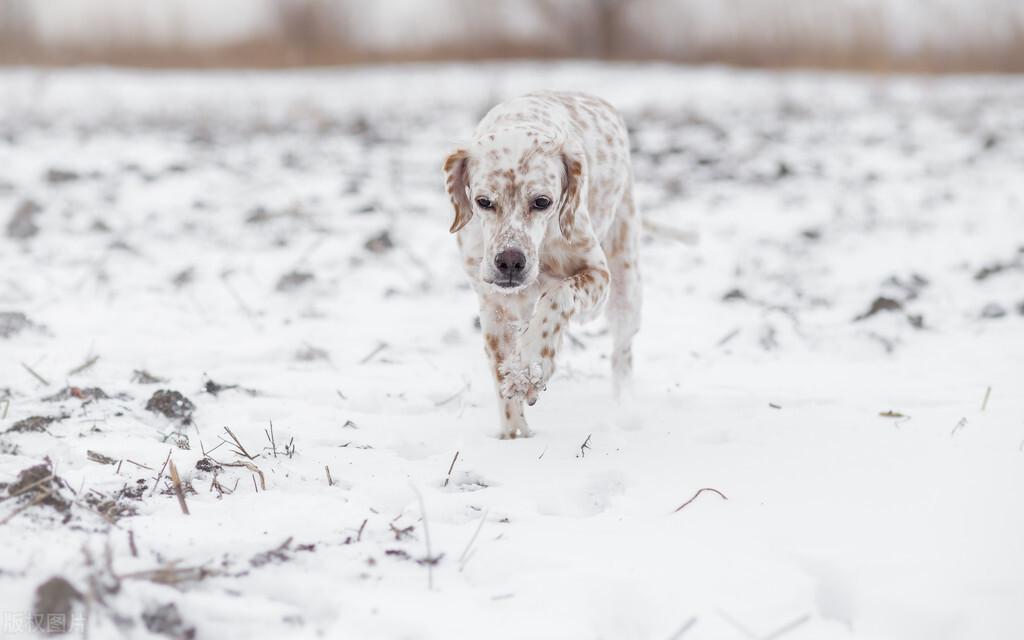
[[548, 231]]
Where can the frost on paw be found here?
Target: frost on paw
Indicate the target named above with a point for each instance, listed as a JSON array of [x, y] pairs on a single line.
[[520, 381]]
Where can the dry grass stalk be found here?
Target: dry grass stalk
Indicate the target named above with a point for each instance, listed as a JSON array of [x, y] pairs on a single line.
[[100, 458], [221, 490], [35, 375], [330, 481], [160, 475], [464, 558], [270, 436], [452, 466], [253, 468], [170, 574], [380, 347], [683, 629], [84, 366], [43, 495], [176, 483], [239, 449], [430, 560], [457, 394]]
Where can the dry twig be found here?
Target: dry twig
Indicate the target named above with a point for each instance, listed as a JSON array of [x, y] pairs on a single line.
[[584, 447], [700, 491]]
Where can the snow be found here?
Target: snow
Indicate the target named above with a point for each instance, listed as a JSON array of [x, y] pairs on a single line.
[[810, 196]]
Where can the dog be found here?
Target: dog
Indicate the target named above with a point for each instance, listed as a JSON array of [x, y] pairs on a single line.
[[548, 232]]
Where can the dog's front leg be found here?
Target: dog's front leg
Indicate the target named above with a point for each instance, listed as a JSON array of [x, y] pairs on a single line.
[[527, 374], [502, 318]]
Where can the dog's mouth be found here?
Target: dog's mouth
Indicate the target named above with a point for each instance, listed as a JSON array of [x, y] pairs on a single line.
[[506, 284]]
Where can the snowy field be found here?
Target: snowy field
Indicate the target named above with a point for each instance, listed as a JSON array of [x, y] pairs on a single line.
[[833, 341]]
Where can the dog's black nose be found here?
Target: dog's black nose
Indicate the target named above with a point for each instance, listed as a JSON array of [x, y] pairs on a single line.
[[510, 263]]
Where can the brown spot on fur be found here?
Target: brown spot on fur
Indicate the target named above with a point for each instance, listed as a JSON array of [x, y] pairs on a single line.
[[546, 352], [492, 342]]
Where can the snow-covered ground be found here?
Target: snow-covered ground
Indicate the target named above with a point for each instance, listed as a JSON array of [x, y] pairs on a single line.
[[287, 233]]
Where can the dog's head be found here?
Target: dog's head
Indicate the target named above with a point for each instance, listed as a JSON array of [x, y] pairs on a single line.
[[517, 182]]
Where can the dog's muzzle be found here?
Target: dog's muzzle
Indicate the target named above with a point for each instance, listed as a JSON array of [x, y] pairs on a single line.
[[510, 268]]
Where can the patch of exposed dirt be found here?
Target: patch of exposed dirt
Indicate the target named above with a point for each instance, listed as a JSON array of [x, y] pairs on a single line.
[[22, 224], [39, 485], [34, 424], [53, 606], [14, 322], [166, 620], [80, 393], [171, 404]]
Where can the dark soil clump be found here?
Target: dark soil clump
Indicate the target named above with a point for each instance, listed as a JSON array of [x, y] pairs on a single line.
[[170, 404]]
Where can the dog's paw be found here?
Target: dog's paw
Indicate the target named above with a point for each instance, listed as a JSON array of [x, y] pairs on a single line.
[[512, 433], [522, 381]]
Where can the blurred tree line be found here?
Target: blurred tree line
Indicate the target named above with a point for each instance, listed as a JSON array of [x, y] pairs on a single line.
[[879, 35]]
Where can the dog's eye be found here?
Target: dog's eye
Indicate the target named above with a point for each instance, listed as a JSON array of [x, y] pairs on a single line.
[[484, 203], [541, 203]]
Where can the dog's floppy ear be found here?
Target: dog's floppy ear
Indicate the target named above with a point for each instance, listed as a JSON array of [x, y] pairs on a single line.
[[457, 183], [575, 183]]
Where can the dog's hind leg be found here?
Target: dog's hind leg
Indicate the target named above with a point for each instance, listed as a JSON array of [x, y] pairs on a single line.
[[622, 247]]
